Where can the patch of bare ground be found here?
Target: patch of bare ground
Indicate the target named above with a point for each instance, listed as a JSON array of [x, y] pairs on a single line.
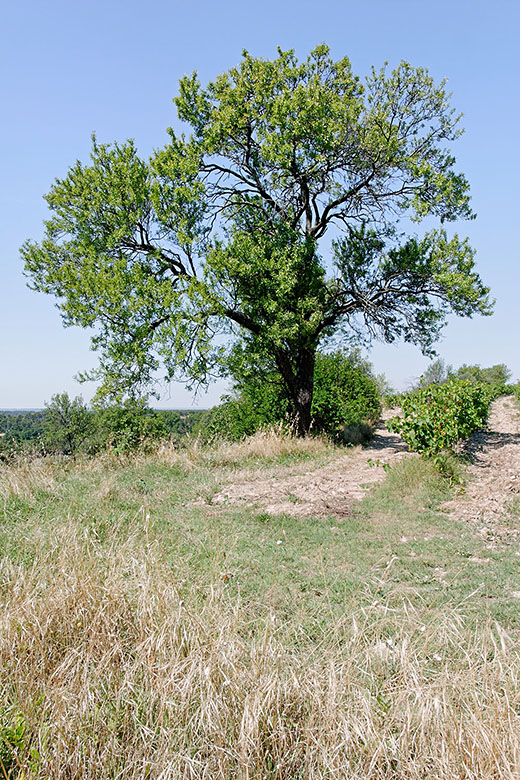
[[327, 491], [491, 500]]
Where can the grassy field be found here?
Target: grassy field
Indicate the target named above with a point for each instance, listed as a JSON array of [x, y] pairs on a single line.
[[150, 633]]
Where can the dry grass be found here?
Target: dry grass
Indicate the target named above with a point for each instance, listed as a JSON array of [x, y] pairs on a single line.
[[26, 474], [268, 444], [105, 672]]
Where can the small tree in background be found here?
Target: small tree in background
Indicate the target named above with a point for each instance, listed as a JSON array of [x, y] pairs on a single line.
[[66, 425], [497, 375], [436, 374], [128, 426]]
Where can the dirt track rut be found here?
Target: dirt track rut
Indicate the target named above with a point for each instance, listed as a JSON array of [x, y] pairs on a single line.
[[490, 501], [329, 490]]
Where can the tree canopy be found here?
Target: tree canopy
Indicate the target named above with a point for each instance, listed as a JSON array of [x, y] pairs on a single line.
[[437, 373], [215, 246]]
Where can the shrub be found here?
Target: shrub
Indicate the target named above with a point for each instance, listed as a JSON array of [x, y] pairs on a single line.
[[345, 395], [394, 399], [346, 399], [129, 426], [12, 740], [245, 413], [515, 390], [66, 424], [437, 417], [497, 376]]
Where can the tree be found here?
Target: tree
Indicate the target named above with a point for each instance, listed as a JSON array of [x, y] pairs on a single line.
[[66, 424], [217, 239], [436, 374], [345, 396], [494, 375]]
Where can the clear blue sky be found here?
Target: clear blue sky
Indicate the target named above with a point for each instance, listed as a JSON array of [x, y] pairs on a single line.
[[69, 68]]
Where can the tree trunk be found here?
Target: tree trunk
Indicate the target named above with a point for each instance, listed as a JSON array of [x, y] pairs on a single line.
[[299, 378]]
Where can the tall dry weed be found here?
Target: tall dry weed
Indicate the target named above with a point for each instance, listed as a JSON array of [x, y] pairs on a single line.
[[269, 444], [114, 673], [26, 474]]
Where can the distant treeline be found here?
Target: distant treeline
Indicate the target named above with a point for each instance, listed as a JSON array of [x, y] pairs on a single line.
[[67, 426], [346, 405], [18, 425]]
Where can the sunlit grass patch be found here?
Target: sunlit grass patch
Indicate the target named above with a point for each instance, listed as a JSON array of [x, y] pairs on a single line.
[[114, 672], [414, 481], [146, 632]]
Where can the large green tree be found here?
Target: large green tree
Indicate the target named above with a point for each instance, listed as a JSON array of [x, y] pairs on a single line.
[[220, 238]]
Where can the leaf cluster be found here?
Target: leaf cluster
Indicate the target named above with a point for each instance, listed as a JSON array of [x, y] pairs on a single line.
[[438, 417], [345, 394]]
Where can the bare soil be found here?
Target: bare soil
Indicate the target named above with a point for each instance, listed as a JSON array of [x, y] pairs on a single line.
[[330, 490], [490, 501]]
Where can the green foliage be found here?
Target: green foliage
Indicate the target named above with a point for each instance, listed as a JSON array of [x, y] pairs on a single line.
[[497, 376], [22, 426], [129, 426], [494, 378], [66, 424], [344, 394], [437, 417], [20, 431], [219, 233], [394, 399], [181, 423], [233, 419], [12, 741], [384, 388], [436, 374], [67, 427], [259, 401]]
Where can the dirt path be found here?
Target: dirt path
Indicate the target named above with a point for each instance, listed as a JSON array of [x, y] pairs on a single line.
[[329, 490], [491, 500]]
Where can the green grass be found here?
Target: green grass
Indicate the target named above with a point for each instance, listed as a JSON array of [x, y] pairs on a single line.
[[396, 536], [131, 601]]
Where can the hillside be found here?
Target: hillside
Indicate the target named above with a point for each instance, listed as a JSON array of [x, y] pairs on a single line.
[[270, 609]]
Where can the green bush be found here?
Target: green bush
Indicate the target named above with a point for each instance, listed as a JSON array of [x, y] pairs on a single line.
[[179, 423], [70, 428], [128, 427], [67, 424], [345, 395], [346, 398], [439, 373], [244, 414], [497, 376], [437, 417], [514, 390], [13, 741], [394, 399]]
